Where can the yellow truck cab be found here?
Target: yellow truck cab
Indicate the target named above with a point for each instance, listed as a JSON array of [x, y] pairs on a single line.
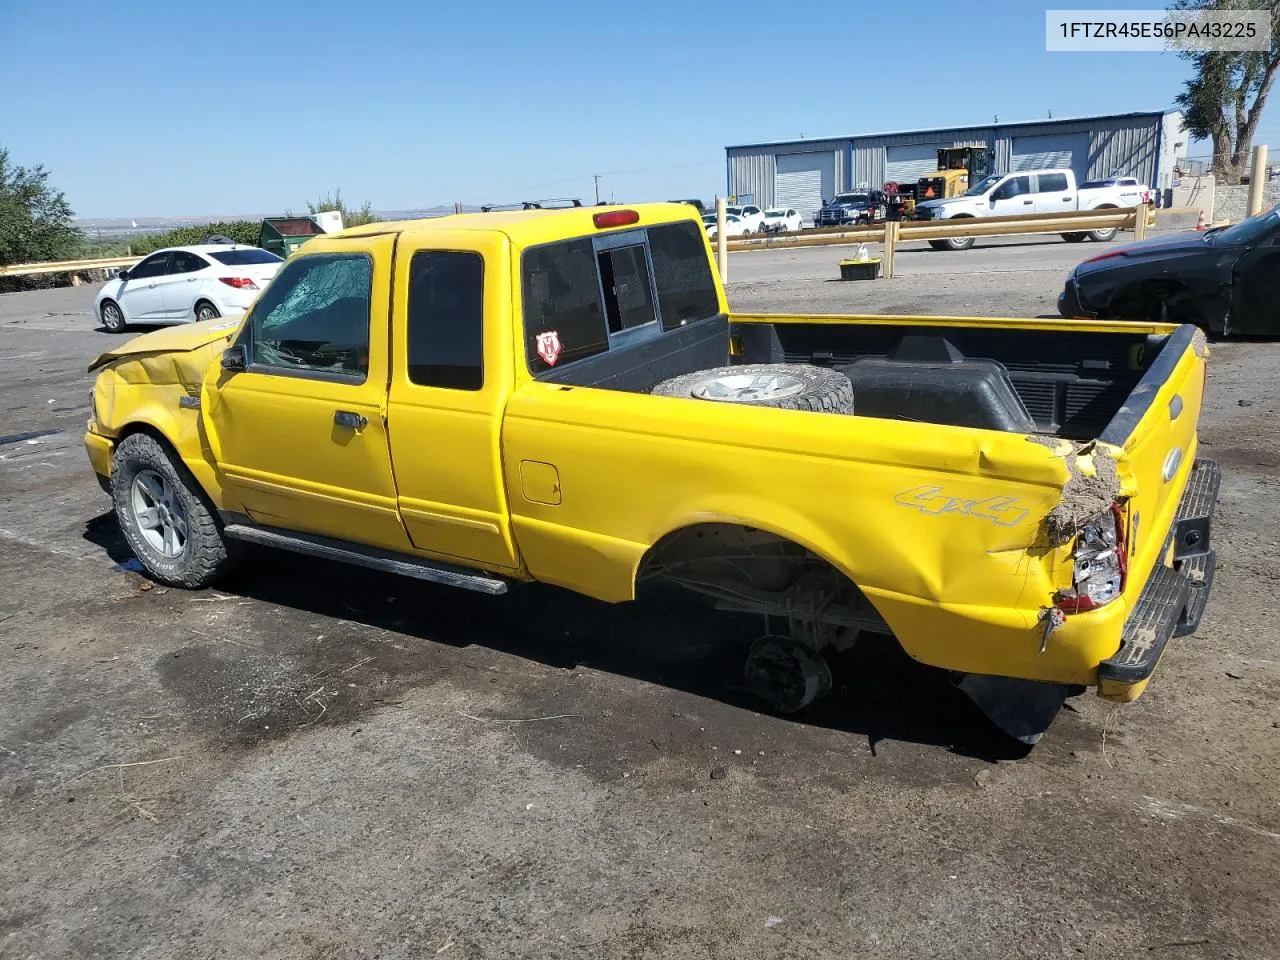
[[564, 396]]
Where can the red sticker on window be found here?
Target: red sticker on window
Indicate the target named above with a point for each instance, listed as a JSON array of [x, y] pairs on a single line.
[[549, 347]]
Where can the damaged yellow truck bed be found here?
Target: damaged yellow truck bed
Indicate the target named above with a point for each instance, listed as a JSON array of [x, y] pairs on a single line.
[[563, 396]]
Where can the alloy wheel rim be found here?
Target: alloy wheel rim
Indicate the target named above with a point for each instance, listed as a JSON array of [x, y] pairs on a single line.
[[158, 514]]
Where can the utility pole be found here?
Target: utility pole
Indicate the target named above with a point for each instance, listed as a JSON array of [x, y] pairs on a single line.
[[596, 177]]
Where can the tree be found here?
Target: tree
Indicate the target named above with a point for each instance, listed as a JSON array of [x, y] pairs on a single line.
[[1223, 100], [35, 219], [350, 218]]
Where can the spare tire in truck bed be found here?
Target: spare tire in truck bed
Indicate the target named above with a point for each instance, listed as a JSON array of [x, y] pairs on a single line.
[[790, 386]]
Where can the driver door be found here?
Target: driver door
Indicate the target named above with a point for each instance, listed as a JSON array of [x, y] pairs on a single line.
[[141, 297], [1012, 197], [299, 431]]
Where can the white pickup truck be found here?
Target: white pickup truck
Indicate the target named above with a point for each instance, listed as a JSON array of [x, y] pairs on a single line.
[[1032, 191]]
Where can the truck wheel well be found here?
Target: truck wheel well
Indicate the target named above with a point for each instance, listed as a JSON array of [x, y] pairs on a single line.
[[1162, 300], [749, 570], [155, 434]]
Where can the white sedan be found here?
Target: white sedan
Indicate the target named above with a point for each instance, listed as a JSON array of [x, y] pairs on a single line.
[[733, 226], [183, 284], [778, 220], [751, 216]]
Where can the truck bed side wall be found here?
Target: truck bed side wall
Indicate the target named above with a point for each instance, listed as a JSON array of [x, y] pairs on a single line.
[[940, 526]]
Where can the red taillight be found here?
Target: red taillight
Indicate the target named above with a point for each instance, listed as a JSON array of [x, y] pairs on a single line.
[[240, 283], [615, 218], [1100, 562]]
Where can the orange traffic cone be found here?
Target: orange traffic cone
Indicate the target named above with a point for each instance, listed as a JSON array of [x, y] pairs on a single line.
[[1200, 222]]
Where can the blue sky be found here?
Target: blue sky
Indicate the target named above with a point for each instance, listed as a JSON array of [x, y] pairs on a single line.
[[162, 109]]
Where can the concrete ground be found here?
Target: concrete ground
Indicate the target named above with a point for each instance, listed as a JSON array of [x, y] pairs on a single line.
[[320, 762]]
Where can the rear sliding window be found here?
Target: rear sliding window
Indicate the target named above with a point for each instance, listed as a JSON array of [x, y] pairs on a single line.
[[578, 299], [242, 258]]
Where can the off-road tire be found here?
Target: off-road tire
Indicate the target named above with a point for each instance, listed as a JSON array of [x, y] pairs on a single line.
[[825, 390], [205, 554]]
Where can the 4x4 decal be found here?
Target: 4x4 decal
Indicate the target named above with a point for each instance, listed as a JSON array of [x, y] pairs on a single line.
[[1002, 511]]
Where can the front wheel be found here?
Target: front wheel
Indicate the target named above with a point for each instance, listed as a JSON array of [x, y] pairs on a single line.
[[165, 517], [113, 317]]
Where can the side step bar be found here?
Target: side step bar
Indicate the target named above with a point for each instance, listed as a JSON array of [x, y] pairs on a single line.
[[385, 560]]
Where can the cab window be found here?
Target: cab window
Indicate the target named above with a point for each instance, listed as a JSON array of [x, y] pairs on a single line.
[[156, 265], [582, 298], [563, 315], [1016, 187], [314, 317], [1052, 182], [446, 320]]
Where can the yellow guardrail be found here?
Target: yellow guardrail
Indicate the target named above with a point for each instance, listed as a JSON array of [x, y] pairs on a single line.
[[892, 233], [65, 266]]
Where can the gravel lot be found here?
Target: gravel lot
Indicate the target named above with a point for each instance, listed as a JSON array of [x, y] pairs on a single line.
[[325, 763]]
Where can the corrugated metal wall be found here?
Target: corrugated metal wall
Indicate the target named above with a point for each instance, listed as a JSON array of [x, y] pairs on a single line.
[[1117, 145], [752, 169]]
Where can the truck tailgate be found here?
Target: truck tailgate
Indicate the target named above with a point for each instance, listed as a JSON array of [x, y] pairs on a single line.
[[1169, 501]]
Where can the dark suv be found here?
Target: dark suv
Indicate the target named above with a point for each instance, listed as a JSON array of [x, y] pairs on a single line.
[[856, 206]]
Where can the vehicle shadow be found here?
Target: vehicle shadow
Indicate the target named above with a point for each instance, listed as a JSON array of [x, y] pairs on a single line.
[[667, 637]]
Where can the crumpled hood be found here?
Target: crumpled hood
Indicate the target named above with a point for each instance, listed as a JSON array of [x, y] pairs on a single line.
[[178, 339]]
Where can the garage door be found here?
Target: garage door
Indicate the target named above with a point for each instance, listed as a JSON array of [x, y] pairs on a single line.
[[907, 164], [1069, 150], [803, 181]]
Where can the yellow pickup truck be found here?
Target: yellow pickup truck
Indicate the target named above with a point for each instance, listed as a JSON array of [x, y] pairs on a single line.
[[563, 396]]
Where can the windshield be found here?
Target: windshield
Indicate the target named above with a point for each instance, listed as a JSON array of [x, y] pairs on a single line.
[[1247, 231], [979, 189], [853, 198], [734, 210], [774, 213]]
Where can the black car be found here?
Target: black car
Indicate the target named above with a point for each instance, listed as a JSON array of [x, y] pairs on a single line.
[[1226, 279]]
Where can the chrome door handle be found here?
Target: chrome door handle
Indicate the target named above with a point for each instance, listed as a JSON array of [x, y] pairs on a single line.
[[1025, 202], [345, 418]]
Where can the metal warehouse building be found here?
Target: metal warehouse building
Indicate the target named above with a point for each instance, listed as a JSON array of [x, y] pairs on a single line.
[[804, 173]]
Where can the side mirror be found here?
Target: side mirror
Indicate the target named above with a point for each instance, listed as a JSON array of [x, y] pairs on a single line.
[[233, 358], [122, 275]]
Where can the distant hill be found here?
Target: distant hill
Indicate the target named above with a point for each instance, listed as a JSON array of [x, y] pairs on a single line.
[[114, 228]]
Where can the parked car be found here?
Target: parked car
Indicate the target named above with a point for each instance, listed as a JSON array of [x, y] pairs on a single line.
[[1030, 191], [184, 284], [858, 206], [1225, 279], [778, 220], [751, 216], [733, 226], [642, 432]]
